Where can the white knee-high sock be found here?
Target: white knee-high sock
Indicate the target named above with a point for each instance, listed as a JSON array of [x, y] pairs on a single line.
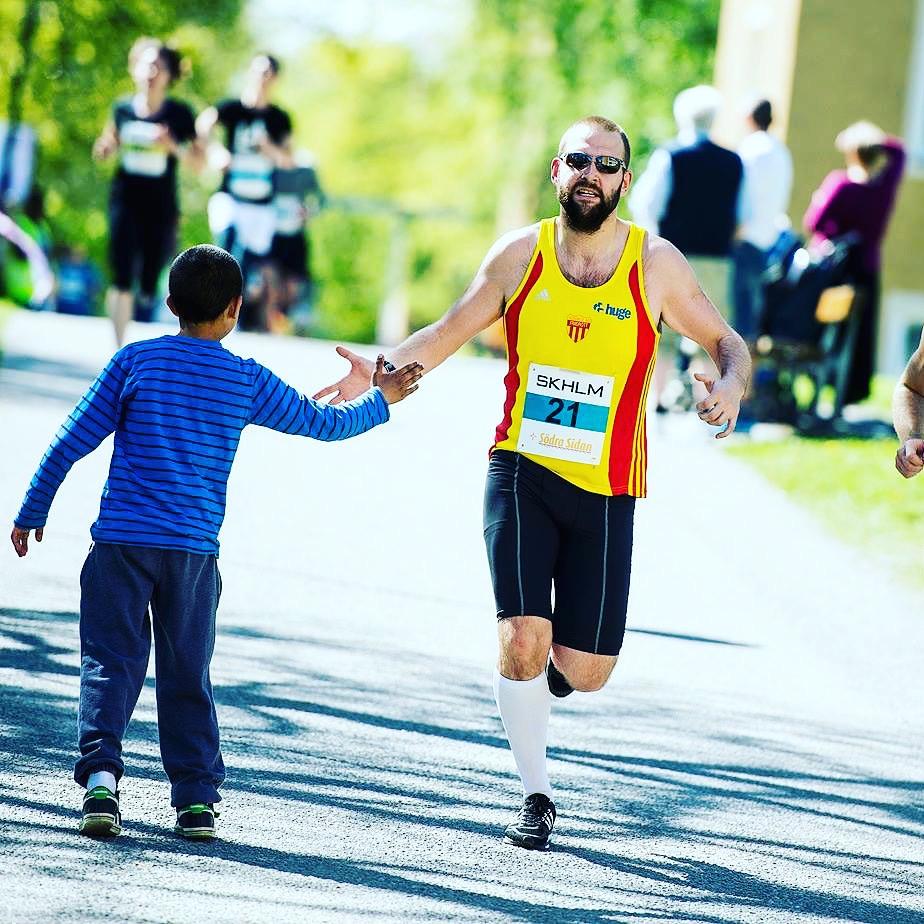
[[524, 707]]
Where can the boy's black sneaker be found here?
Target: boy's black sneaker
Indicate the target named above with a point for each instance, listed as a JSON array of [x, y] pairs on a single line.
[[558, 682], [101, 817], [534, 823], [196, 821]]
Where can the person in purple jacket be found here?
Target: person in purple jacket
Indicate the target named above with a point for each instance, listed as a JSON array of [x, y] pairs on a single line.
[[860, 200], [177, 405]]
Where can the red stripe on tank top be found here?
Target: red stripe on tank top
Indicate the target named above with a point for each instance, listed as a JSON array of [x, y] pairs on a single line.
[[622, 445], [511, 331]]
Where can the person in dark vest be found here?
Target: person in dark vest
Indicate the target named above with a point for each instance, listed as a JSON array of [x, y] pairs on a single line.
[[693, 194]]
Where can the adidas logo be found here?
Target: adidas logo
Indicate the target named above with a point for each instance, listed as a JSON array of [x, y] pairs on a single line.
[[544, 296]]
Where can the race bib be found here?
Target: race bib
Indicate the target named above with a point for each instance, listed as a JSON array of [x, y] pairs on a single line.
[[290, 214], [250, 177], [565, 414], [141, 155]]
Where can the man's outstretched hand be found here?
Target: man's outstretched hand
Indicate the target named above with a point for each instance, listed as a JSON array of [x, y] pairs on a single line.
[[399, 384], [354, 383], [20, 539]]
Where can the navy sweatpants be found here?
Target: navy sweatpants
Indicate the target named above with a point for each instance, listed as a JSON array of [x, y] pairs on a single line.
[[124, 591]]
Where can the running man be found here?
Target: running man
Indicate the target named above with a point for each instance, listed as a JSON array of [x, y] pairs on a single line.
[[908, 415], [150, 132], [583, 297], [257, 136]]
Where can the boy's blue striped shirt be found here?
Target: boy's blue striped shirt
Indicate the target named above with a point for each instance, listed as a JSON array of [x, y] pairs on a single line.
[[177, 406]]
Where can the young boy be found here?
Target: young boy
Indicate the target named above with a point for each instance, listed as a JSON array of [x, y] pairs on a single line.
[[177, 405]]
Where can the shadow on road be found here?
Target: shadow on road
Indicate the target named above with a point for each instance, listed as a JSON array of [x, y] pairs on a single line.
[[30, 379], [690, 638], [423, 760]]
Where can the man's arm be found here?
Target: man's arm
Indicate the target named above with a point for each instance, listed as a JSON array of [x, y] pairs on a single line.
[[482, 303], [214, 153], [193, 155], [107, 143], [206, 122], [280, 154], [686, 309], [908, 415], [190, 151], [277, 143]]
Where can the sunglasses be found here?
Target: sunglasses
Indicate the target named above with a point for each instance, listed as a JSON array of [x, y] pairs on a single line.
[[605, 163]]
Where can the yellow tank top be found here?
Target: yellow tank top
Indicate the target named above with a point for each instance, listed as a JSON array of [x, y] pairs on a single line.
[[580, 362]]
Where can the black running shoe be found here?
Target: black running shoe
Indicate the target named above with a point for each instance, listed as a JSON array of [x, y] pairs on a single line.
[[196, 821], [558, 683], [534, 823], [101, 817]]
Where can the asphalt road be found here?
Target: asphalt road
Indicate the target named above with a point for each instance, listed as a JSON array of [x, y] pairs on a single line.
[[757, 756]]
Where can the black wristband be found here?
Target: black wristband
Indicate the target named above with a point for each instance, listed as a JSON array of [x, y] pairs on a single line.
[[389, 367]]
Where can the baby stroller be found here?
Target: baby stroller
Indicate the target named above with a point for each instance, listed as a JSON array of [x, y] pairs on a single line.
[[806, 331]]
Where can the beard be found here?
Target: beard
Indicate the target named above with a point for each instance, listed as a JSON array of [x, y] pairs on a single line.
[[587, 217]]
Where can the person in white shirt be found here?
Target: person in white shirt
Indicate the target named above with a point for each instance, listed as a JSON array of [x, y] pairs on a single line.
[[692, 193], [768, 184]]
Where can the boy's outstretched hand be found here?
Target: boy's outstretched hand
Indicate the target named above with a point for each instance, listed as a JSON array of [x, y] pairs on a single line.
[[398, 384], [20, 539]]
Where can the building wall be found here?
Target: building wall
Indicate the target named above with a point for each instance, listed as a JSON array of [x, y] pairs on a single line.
[[755, 58], [848, 60], [852, 60]]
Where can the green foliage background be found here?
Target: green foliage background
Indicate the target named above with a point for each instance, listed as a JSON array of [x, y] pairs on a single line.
[[465, 142]]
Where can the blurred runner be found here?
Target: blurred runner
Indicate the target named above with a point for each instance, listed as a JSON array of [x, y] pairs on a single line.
[[242, 216], [298, 198], [150, 132]]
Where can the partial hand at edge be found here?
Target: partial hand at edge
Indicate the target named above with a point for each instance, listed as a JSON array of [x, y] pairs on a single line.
[[909, 460]]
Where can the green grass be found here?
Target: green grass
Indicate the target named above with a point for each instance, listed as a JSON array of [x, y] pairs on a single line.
[[852, 486]]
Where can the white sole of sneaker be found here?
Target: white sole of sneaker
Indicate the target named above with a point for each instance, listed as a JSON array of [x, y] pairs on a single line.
[[99, 826], [196, 834]]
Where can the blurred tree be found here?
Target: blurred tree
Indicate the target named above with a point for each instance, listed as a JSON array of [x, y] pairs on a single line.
[[78, 67], [463, 140], [553, 62], [475, 135]]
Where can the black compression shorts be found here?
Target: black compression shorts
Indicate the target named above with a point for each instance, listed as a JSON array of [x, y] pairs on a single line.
[[544, 533], [290, 252], [141, 242]]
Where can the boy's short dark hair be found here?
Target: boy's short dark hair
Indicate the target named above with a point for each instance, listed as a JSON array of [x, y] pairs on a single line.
[[204, 280]]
